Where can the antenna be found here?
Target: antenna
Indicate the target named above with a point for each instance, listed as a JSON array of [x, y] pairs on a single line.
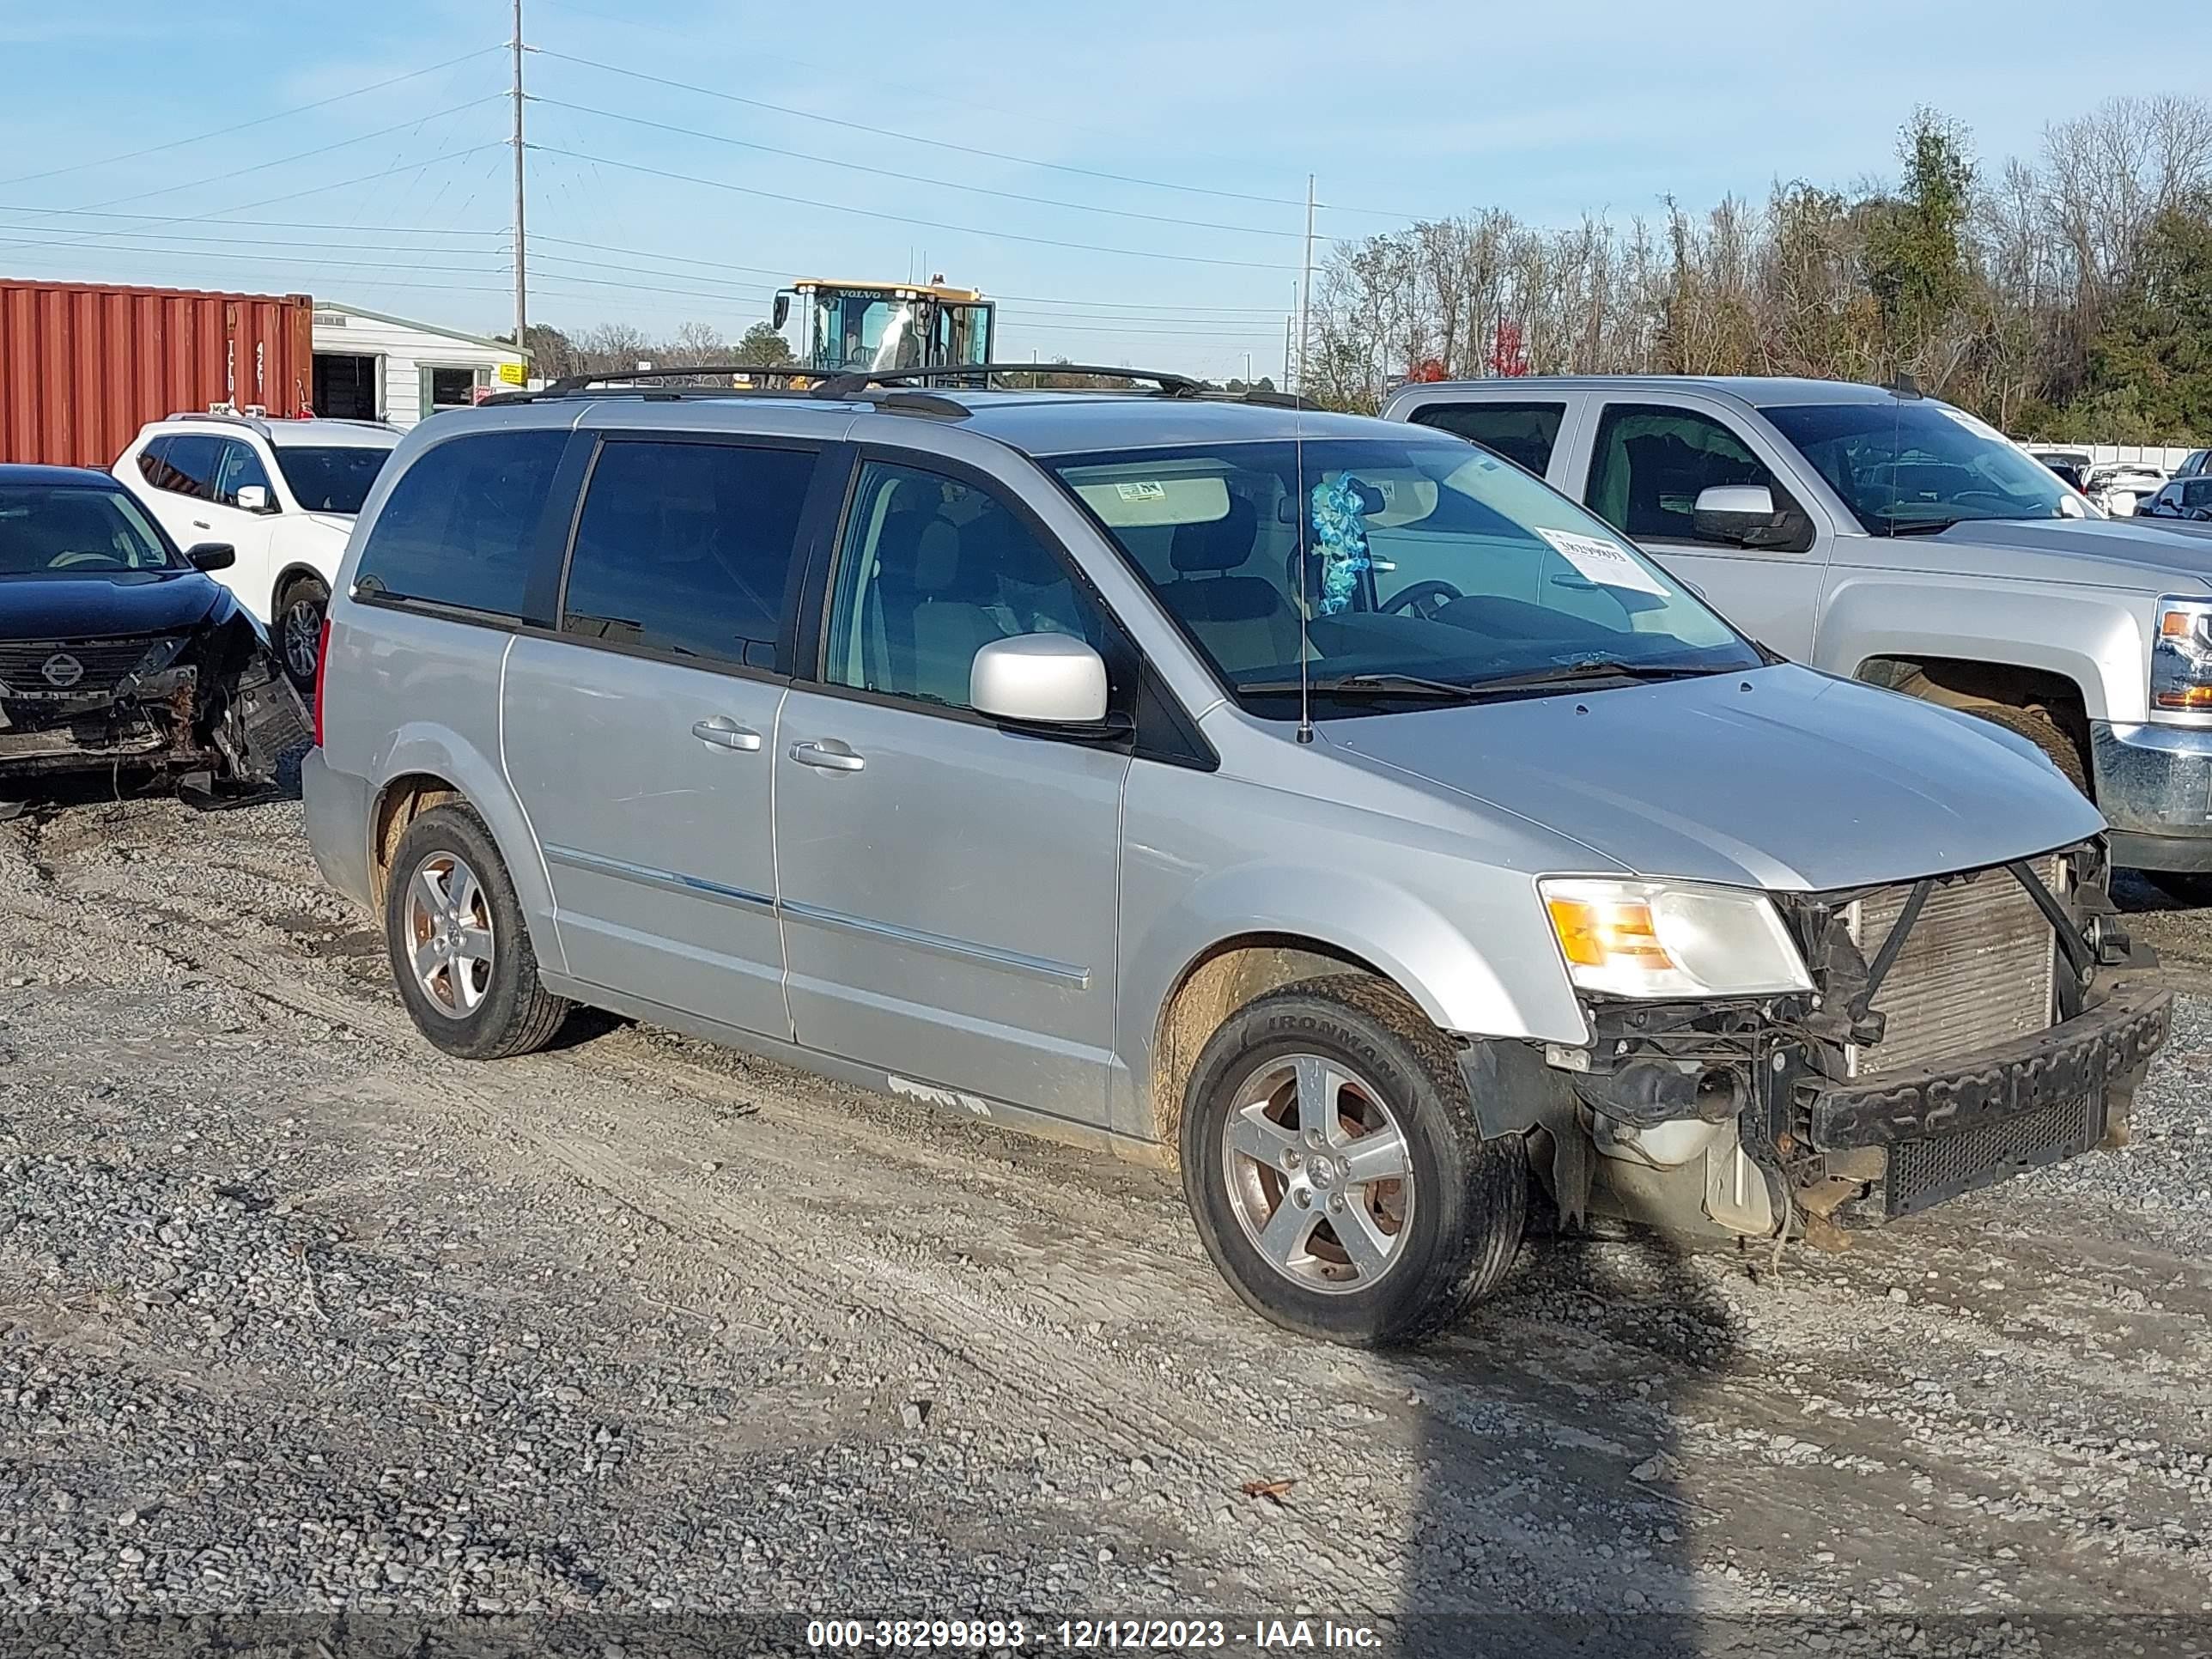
[[1305, 575]]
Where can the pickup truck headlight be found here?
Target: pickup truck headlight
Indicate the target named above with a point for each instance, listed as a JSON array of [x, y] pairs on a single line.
[[1653, 938], [2181, 656]]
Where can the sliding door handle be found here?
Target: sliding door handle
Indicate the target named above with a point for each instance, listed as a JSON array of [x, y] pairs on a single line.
[[726, 734], [829, 755]]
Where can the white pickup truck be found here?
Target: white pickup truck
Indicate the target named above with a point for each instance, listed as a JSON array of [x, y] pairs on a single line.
[[1887, 537]]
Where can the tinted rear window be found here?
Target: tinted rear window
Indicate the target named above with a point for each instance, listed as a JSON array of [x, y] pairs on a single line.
[[686, 548], [333, 478], [1522, 433], [460, 527]]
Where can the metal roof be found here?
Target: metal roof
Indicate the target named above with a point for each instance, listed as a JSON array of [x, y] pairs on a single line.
[[438, 329]]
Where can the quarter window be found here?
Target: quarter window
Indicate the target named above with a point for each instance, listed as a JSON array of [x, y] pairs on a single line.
[[460, 526], [933, 570], [2197, 492], [1650, 463], [686, 548], [1522, 433], [183, 465]]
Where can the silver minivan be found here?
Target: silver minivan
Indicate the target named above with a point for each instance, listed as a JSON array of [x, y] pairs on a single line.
[[1324, 805]]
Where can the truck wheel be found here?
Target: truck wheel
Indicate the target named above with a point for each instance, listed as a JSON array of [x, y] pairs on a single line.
[[2039, 729], [461, 952], [1334, 1170], [299, 613]]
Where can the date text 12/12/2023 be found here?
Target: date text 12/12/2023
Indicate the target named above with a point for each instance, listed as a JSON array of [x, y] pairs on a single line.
[[1091, 1635]]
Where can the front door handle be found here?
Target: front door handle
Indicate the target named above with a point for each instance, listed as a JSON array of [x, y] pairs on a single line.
[[831, 755], [201, 524], [725, 733]]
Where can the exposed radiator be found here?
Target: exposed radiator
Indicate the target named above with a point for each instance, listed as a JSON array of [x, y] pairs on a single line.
[[1975, 969]]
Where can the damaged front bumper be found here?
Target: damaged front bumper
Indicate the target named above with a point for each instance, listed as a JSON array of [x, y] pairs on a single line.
[[1759, 1115], [230, 715], [1948, 1129]]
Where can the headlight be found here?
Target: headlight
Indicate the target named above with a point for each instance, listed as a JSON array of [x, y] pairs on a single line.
[[1652, 939], [160, 655], [2181, 656]]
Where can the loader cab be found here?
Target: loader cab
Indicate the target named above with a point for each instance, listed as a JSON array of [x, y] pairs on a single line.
[[877, 326]]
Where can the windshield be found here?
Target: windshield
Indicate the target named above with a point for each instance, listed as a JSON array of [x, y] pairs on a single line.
[[865, 331], [1430, 568], [69, 527], [1905, 466], [330, 480]]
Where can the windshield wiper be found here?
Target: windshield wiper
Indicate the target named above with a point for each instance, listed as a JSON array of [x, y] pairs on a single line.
[[1607, 668], [1382, 685], [1602, 668]]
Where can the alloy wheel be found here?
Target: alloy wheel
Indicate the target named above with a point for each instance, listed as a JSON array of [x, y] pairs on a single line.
[[449, 941], [1319, 1173]]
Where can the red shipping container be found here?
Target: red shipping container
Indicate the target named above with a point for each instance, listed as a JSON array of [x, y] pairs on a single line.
[[83, 365]]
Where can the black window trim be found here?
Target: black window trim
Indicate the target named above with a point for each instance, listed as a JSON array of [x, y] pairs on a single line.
[[586, 447], [1181, 744], [567, 473], [1785, 499]]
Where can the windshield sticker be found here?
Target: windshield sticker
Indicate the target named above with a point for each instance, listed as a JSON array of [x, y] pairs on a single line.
[[1341, 530], [1142, 491], [1607, 564]]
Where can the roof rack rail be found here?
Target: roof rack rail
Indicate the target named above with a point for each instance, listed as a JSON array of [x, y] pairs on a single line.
[[853, 381], [569, 383]]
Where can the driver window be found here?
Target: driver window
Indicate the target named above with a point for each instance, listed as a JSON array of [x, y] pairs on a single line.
[[933, 570], [237, 467], [1650, 463]]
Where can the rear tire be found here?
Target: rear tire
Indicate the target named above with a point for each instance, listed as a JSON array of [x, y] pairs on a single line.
[[298, 630], [459, 949], [1300, 1209]]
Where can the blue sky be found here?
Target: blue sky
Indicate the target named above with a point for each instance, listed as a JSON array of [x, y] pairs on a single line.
[[1398, 109]]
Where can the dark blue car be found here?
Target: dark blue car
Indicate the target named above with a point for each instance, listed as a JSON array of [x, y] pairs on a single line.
[[117, 653]]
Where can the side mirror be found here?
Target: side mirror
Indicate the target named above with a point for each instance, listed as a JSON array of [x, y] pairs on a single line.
[[254, 498], [1746, 515], [210, 555], [782, 312], [1039, 679]]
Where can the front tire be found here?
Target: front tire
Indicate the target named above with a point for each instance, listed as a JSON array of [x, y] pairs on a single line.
[[459, 949], [1334, 1169], [298, 630]]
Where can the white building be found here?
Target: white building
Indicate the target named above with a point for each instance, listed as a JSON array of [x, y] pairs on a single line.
[[369, 366]]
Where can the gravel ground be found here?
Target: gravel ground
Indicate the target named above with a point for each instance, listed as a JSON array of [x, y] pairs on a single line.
[[298, 1317]]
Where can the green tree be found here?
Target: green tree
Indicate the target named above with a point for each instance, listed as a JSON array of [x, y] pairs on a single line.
[[1916, 241], [2153, 356], [761, 344]]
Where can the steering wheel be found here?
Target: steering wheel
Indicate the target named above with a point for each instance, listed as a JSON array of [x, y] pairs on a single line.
[[1423, 599], [82, 558]]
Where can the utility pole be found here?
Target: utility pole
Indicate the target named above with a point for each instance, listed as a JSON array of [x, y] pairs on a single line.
[[1287, 386], [1305, 284], [521, 263]]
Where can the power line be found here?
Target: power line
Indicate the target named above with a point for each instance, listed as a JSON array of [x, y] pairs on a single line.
[[243, 259], [302, 156], [912, 178], [916, 138], [153, 220], [258, 224], [905, 219], [259, 120]]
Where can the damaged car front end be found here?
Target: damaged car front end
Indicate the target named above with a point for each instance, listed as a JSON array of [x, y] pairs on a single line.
[[1916, 1040], [118, 654]]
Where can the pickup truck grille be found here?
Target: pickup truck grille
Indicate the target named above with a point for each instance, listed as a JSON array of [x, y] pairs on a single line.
[[1976, 970]]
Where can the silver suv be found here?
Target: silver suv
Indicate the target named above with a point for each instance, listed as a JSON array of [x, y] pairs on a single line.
[[1321, 803]]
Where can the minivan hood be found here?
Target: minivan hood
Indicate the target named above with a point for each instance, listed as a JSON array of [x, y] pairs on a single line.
[[1780, 778], [2110, 552]]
